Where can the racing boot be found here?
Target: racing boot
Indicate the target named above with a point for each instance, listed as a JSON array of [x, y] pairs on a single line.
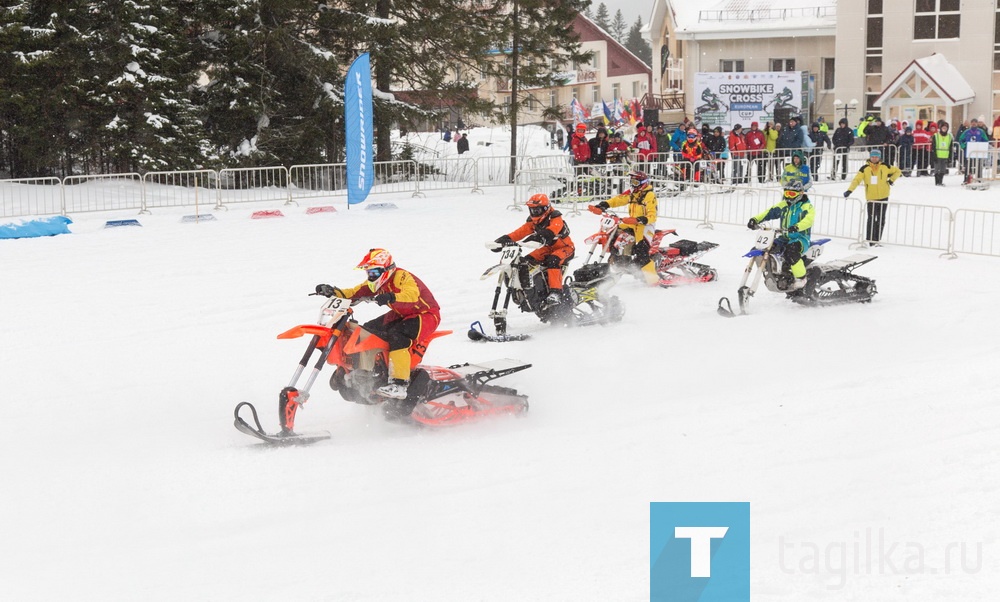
[[554, 298], [396, 389]]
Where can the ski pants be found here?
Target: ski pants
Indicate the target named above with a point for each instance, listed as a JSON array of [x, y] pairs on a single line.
[[940, 169], [840, 157], [792, 257], [402, 333], [876, 219], [553, 258]]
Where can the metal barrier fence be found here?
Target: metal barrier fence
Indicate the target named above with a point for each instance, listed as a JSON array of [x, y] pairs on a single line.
[[31, 196], [921, 226], [116, 191], [179, 188]]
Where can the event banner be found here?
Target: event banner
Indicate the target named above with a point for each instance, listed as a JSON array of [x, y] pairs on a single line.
[[358, 125], [729, 98]]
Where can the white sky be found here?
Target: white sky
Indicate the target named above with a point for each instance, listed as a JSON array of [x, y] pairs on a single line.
[[125, 351], [631, 9]]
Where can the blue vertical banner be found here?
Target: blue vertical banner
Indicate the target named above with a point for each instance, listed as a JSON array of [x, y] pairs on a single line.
[[358, 124], [699, 552]]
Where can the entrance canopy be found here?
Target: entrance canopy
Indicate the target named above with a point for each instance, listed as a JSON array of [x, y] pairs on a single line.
[[930, 82]]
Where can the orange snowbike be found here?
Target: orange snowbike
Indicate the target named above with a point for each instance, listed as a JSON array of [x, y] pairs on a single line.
[[675, 262], [437, 396]]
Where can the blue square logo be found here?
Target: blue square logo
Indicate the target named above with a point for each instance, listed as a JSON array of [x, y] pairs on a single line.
[[699, 551]]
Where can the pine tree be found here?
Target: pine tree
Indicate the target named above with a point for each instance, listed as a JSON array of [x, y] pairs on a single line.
[[618, 27], [637, 45], [603, 17], [536, 29]]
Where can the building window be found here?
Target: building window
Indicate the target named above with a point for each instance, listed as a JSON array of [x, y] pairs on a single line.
[[829, 80], [616, 91], [635, 89], [596, 62], [595, 94], [731, 66], [553, 98], [870, 103], [782, 64], [936, 19], [873, 38], [874, 7], [996, 39]]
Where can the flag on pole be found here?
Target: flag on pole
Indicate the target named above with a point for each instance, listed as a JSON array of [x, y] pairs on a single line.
[[620, 114], [579, 112], [637, 109], [607, 113], [358, 126]]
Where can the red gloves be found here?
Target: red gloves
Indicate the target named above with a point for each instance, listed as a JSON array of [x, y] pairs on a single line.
[[631, 221], [595, 209]]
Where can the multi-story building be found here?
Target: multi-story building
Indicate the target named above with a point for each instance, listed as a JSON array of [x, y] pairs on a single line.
[[745, 36], [613, 73], [917, 59]]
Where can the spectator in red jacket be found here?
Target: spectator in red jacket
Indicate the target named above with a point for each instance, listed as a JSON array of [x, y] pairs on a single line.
[[645, 144], [738, 153], [921, 149], [580, 146], [757, 150]]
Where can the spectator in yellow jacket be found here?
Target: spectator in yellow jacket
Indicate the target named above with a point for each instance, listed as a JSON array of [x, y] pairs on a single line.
[[876, 177], [641, 220]]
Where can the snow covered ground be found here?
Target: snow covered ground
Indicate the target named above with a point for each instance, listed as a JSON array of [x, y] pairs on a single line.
[[125, 351]]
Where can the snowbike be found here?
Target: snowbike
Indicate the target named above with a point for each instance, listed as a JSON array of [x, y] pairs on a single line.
[[675, 262], [437, 396], [828, 283], [584, 299]]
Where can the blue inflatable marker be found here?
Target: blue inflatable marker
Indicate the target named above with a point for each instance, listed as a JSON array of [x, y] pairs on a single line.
[[197, 218], [118, 223], [46, 226], [379, 206]]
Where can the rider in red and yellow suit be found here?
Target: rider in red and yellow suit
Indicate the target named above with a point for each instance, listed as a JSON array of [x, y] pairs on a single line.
[[641, 220], [549, 228], [413, 313]]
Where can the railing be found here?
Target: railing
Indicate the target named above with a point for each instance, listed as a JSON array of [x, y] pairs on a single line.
[[921, 226], [767, 14]]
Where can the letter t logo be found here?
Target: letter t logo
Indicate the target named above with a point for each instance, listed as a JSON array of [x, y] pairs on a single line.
[[701, 546]]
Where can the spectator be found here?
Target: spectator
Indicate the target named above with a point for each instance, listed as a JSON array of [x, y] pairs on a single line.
[[843, 140], [716, 143], [462, 143], [738, 154], [756, 143], [771, 135], [996, 128], [943, 145], [694, 152], [973, 166], [905, 142], [447, 136], [599, 147], [877, 178], [921, 149], [677, 140], [878, 137], [820, 139], [790, 138], [579, 145], [645, 145], [663, 145]]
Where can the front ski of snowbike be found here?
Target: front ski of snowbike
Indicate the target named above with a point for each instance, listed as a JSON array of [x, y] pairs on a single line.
[[827, 283], [583, 300]]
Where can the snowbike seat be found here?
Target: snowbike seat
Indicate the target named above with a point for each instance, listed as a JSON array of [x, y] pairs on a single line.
[[851, 262]]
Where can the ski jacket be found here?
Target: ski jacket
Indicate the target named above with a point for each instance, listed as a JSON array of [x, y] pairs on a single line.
[[906, 140], [791, 137], [737, 145], [973, 134], [800, 213], [663, 144], [877, 135], [550, 229], [772, 139], [820, 139], [618, 151], [581, 148], [693, 150], [678, 138], [642, 205], [645, 143], [843, 137], [716, 144], [876, 180], [413, 298], [921, 139], [755, 140], [599, 148], [942, 145], [800, 172]]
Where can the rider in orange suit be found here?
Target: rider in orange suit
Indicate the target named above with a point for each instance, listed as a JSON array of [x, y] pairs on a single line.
[[546, 225]]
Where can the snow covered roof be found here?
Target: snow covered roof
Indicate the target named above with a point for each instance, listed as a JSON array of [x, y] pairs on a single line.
[[936, 71], [723, 18]]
